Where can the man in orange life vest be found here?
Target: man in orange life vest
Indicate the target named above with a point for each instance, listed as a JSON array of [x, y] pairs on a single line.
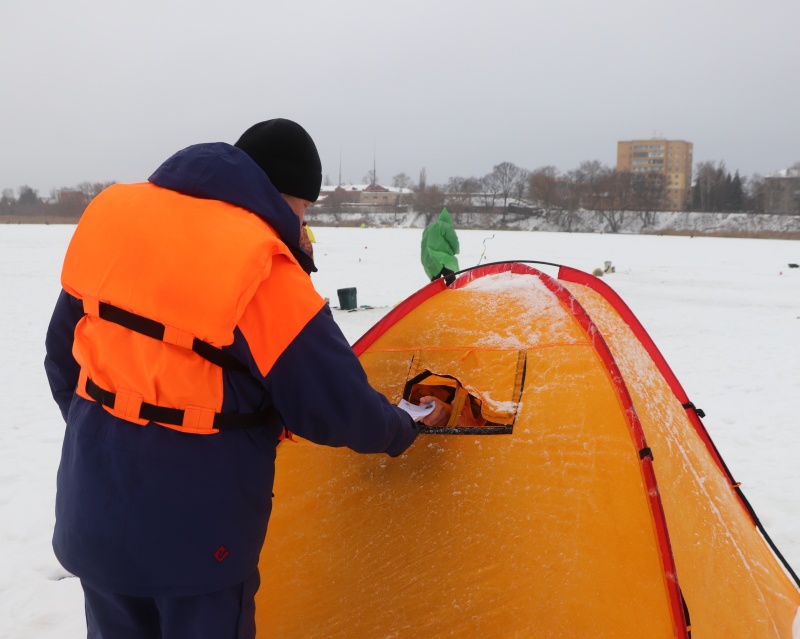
[[187, 334]]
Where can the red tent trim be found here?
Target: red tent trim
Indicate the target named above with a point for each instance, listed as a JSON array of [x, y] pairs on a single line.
[[568, 274]]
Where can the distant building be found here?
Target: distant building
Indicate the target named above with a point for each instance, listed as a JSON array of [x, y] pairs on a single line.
[[377, 194], [364, 194], [669, 161], [782, 192]]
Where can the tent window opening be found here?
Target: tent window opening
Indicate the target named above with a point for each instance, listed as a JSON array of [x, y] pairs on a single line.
[[470, 415]]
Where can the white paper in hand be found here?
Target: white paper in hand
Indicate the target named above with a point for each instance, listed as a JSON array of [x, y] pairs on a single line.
[[417, 412]]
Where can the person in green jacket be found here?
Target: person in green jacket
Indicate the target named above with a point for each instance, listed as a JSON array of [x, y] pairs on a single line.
[[439, 249]]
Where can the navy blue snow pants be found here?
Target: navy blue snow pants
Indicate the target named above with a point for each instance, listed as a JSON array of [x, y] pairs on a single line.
[[225, 614]]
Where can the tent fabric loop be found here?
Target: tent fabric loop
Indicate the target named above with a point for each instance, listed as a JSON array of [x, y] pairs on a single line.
[[700, 412]]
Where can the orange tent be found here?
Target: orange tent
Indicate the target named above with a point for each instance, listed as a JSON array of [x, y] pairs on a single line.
[[584, 500]]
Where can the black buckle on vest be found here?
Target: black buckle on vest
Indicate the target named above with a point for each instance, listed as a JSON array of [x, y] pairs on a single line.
[[174, 416]]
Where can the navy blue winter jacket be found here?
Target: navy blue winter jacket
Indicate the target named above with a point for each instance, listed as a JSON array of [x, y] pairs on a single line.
[[150, 511]]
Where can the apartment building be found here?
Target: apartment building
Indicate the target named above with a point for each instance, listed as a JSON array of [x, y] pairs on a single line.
[[782, 192], [666, 161]]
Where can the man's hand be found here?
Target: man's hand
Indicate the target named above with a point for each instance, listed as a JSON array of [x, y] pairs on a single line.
[[440, 414]]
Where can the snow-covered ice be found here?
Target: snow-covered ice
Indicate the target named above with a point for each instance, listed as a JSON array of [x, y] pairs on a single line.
[[724, 312]]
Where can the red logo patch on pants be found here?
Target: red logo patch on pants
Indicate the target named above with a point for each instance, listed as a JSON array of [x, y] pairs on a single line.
[[221, 553]]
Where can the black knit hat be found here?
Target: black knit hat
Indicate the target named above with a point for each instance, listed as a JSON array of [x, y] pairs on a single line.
[[287, 154]]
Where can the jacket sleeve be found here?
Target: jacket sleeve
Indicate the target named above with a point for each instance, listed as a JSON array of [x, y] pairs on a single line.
[[321, 390], [308, 370], [59, 364]]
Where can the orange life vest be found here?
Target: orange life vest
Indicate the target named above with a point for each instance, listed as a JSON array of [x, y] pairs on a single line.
[[200, 268]]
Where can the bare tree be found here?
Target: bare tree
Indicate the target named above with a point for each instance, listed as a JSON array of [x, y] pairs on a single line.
[[70, 202], [570, 191], [489, 190], [91, 190], [592, 180], [756, 193], [401, 181], [521, 187], [458, 197], [506, 177], [423, 179], [429, 201], [584, 187], [543, 187], [616, 199], [648, 191]]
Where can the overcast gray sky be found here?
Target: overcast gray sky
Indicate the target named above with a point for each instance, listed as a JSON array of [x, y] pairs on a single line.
[[101, 90]]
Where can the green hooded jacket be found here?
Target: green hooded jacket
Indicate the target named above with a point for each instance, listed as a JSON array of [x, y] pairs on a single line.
[[439, 246]]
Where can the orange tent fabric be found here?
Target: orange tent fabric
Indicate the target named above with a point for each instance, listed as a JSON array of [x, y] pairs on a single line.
[[591, 503]]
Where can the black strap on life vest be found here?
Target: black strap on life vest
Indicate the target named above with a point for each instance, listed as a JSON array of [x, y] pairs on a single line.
[[174, 416], [154, 329]]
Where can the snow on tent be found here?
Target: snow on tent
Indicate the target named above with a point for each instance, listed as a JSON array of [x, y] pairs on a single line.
[[575, 493]]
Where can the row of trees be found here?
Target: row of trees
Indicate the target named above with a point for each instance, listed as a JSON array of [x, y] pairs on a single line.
[[66, 203], [716, 190], [592, 186]]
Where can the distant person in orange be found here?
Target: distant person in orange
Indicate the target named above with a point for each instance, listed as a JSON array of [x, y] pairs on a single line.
[[187, 337]]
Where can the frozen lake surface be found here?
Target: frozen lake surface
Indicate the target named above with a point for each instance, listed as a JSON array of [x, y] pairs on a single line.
[[724, 312]]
